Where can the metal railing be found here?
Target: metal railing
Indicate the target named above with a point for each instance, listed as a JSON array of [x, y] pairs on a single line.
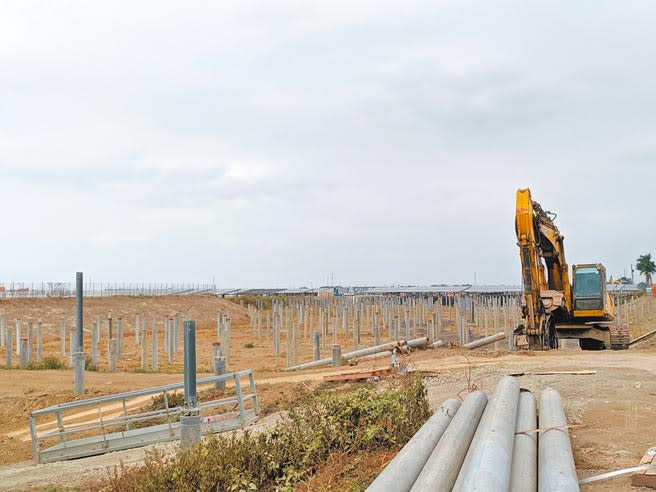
[[102, 289], [134, 418]]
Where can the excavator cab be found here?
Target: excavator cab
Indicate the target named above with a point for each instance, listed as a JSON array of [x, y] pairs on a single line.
[[589, 291]]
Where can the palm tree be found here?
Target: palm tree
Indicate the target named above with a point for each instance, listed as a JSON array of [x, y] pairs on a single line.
[[646, 266]]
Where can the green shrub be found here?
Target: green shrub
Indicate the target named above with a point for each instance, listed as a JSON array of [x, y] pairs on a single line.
[[249, 345], [89, 365], [276, 459], [47, 363], [174, 399]]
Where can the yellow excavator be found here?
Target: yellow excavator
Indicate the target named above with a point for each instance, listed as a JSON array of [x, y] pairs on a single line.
[[552, 308]]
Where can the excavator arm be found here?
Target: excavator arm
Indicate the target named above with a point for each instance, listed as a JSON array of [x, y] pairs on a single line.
[[545, 278]]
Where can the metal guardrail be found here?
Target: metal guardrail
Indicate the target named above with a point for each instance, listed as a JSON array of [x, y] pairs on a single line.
[[116, 422]]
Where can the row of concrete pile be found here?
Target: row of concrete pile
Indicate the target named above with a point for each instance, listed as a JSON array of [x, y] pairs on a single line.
[[486, 445]]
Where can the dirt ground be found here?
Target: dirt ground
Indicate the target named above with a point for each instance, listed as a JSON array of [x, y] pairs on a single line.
[[615, 405]]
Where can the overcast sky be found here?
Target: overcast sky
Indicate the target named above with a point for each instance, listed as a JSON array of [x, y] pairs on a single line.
[[277, 143]]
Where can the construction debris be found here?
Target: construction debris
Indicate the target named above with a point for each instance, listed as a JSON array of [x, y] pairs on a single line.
[[616, 473], [642, 338], [554, 373], [646, 477]]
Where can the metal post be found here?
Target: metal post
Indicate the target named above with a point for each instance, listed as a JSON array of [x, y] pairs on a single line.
[[227, 346], [98, 328], [316, 343], [39, 341], [29, 343], [71, 341], [62, 338], [190, 419], [24, 352], [337, 355], [219, 367], [154, 363], [78, 357], [79, 317], [120, 337], [356, 329], [113, 354], [142, 333], [10, 352], [170, 347], [78, 373], [19, 335], [94, 344]]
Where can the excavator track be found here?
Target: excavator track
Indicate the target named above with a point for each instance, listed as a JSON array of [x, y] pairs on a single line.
[[620, 337]]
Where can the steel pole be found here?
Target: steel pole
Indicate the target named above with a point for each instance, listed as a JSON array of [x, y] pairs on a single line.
[[79, 317], [77, 358], [190, 400], [403, 470], [556, 469], [190, 419], [441, 470]]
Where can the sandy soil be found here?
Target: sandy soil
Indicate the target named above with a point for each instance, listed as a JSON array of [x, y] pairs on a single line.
[[616, 404]]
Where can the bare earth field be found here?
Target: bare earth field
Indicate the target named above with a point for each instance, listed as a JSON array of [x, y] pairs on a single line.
[[616, 405]]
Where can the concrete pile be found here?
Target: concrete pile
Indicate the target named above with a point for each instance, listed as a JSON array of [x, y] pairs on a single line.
[[486, 445]]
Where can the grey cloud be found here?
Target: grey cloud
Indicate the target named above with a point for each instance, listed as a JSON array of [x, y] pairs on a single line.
[[271, 143]]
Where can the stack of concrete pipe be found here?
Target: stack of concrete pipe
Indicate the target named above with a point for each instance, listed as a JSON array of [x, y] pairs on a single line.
[[365, 352], [486, 445]]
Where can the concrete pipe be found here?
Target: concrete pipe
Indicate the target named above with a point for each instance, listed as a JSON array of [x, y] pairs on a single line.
[[416, 343], [403, 470], [524, 469], [488, 468], [378, 355], [556, 469], [441, 469], [485, 341]]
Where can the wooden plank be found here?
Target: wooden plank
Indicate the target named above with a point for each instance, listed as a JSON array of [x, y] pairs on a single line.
[[357, 376], [584, 372], [646, 478]]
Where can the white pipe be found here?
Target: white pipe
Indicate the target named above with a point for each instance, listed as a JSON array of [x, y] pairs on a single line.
[[402, 471], [441, 469], [485, 341], [488, 469], [556, 469], [524, 469]]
